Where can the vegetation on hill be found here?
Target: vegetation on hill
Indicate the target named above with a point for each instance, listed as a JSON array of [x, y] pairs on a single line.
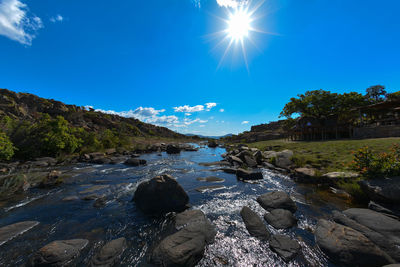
[[32, 127]]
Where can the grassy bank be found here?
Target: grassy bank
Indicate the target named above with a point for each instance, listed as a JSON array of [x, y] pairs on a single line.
[[326, 156]]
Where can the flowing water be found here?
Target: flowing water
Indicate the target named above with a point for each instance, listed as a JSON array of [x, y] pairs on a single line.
[[60, 220]]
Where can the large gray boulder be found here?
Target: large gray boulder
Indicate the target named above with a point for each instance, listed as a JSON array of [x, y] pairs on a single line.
[[283, 159], [280, 219], [160, 195], [59, 253], [277, 200], [249, 175], [254, 224], [173, 149], [285, 247], [109, 254], [135, 162], [348, 247], [9, 232], [185, 247], [382, 190]]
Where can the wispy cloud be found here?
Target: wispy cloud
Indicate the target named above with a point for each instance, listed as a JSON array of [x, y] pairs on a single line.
[[245, 122], [222, 110], [210, 105], [190, 109], [187, 121], [57, 18], [232, 3], [17, 23]]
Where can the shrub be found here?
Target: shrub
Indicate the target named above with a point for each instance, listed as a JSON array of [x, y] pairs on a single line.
[[385, 164], [6, 147]]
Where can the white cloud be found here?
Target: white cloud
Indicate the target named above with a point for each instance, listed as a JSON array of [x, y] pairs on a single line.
[[232, 3], [202, 126], [188, 114], [210, 105], [16, 23], [189, 109], [222, 110], [245, 122], [57, 18], [187, 121]]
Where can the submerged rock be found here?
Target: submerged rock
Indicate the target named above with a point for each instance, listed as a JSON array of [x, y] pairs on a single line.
[[254, 224], [285, 247], [9, 232], [211, 179], [161, 194], [59, 253], [206, 188], [249, 175], [110, 253], [347, 246], [277, 200], [280, 219]]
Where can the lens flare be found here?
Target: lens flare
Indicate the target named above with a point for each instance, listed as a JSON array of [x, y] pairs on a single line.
[[239, 25]]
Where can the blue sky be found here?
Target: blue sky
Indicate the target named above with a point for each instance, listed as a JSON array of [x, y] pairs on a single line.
[[160, 60]]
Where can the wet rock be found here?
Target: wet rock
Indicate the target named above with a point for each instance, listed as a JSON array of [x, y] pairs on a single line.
[[110, 253], [347, 246], [173, 149], [378, 208], [52, 179], [189, 216], [277, 200], [59, 253], [10, 231], [254, 224], [135, 162], [215, 163], [380, 240], [248, 175], [160, 195], [91, 197], [258, 156], [285, 247], [117, 160], [185, 247], [212, 144], [100, 202], [235, 160], [283, 159], [100, 160], [229, 170], [71, 198], [211, 179], [280, 219], [382, 190], [334, 175], [250, 161], [203, 189]]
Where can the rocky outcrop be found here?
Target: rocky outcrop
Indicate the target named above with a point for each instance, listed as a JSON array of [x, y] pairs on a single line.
[[284, 246], [161, 194], [109, 254], [59, 253], [11, 231], [347, 246], [173, 149], [212, 144], [280, 219], [254, 224], [277, 200], [185, 247], [382, 190]]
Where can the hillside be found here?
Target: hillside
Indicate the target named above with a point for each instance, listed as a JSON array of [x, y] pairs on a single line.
[[268, 131], [31, 122]]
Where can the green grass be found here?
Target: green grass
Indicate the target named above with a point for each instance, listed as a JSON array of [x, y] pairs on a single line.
[[326, 156]]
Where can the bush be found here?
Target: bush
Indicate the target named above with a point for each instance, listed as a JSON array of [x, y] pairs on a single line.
[[6, 147], [385, 164]]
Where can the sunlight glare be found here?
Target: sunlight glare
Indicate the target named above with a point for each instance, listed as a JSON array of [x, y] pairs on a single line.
[[239, 25]]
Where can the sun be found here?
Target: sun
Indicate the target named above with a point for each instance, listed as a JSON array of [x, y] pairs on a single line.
[[239, 25]]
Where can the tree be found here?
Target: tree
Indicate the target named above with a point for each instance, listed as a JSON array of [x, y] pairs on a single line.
[[6, 147], [393, 96], [376, 92]]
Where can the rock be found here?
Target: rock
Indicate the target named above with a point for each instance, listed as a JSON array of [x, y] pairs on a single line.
[[59, 253], [378, 208], [305, 172], [94, 188], [249, 175], [250, 161], [188, 216], [334, 175], [109, 254], [10, 231], [283, 159], [161, 194], [382, 190], [185, 247], [100, 202], [212, 179], [52, 179], [380, 240], [215, 163], [117, 160], [258, 156], [377, 222], [110, 151], [254, 224], [135, 162], [234, 159], [100, 160], [173, 149], [203, 189], [91, 197], [277, 200], [71, 198], [347, 246], [229, 170], [212, 144], [285, 247], [280, 219]]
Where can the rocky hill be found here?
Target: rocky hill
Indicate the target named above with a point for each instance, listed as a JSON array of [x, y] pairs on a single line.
[[262, 132]]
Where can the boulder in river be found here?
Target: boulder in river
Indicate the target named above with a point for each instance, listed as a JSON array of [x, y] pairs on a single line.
[[277, 200], [8, 232], [109, 253], [286, 247], [212, 144], [249, 175], [254, 224], [283, 159], [59, 253], [280, 219], [135, 162], [161, 194], [173, 149], [348, 247], [382, 190], [185, 247]]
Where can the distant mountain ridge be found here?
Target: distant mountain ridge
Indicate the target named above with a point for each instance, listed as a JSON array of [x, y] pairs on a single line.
[[209, 137]]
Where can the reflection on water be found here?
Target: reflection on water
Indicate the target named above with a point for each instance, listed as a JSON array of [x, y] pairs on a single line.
[[119, 217]]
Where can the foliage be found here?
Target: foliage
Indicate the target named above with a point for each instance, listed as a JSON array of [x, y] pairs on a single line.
[[6, 147], [393, 96], [377, 165], [376, 92]]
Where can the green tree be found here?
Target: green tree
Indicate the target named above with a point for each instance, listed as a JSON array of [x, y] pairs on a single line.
[[393, 96], [6, 147], [376, 92]]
